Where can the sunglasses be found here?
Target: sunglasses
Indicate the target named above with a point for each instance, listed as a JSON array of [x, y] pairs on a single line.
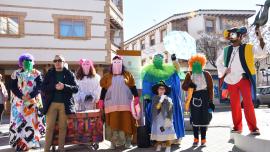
[[59, 60]]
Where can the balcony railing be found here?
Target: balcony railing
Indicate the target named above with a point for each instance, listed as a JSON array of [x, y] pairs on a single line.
[[116, 14], [118, 4]]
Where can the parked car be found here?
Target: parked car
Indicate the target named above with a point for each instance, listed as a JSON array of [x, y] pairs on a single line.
[[263, 95]]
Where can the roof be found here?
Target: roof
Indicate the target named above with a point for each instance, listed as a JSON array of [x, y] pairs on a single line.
[[214, 12]]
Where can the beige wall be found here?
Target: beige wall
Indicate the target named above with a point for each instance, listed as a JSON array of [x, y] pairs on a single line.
[[47, 55], [93, 5], [195, 25], [39, 36]]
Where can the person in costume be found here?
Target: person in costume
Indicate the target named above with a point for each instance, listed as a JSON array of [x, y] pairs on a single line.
[[26, 121], [162, 129], [199, 85], [3, 98], [154, 73], [89, 88], [236, 66], [118, 90]]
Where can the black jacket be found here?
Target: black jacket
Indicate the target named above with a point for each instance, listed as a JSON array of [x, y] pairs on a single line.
[[48, 90]]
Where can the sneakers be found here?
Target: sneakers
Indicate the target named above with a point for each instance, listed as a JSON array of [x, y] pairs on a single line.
[[236, 131], [255, 132], [168, 149], [203, 143], [195, 142], [128, 143], [158, 148]]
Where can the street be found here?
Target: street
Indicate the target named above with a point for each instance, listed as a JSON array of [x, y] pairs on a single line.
[[218, 136]]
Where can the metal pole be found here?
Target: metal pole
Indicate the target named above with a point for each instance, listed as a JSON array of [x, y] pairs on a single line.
[[267, 79]]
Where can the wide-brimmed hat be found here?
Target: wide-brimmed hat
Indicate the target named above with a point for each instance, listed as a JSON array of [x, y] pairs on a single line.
[[161, 84]]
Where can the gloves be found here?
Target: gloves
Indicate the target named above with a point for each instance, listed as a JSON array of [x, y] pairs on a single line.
[[173, 57], [88, 97], [162, 129], [212, 106], [167, 123], [100, 104], [136, 101]]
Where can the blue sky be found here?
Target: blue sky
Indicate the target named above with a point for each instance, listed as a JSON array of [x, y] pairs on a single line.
[[142, 14]]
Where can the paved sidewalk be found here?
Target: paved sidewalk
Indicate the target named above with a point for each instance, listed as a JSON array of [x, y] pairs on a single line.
[[218, 136]]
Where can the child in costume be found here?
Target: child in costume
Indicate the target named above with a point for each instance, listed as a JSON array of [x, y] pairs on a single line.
[[89, 88], [154, 73], [199, 85], [162, 129], [236, 67], [26, 121], [118, 91]]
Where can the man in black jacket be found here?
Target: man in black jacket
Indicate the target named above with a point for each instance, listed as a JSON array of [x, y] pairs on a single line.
[[58, 86]]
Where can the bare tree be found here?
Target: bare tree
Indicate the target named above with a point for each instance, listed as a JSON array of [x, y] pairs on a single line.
[[209, 44]]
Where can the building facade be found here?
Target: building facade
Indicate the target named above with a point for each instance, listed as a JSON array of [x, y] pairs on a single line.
[[212, 22], [150, 41], [78, 29], [83, 29]]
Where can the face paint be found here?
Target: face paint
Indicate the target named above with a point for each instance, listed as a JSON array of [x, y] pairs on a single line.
[[233, 37], [28, 65], [158, 61], [196, 68], [117, 66], [86, 65]]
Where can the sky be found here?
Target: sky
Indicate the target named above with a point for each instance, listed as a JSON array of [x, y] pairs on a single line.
[[139, 15]]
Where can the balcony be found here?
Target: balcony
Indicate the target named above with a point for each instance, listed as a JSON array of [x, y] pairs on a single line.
[[116, 15], [118, 4]]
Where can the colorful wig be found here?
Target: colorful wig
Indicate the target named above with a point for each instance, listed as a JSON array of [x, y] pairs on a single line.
[[197, 58], [25, 56]]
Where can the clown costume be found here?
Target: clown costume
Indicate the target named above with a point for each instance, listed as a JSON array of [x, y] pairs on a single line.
[[118, 91], [26, 121]]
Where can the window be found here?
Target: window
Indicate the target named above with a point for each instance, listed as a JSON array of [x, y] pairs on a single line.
[[134, 46], [152, 40], [163, 33], [12, 24], [72, 27], [209, 26], [142, 44]]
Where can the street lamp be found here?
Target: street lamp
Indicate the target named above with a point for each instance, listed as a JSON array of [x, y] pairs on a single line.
[[266, 73]]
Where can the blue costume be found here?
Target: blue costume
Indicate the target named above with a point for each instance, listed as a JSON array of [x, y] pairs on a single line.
[[168, 73]]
